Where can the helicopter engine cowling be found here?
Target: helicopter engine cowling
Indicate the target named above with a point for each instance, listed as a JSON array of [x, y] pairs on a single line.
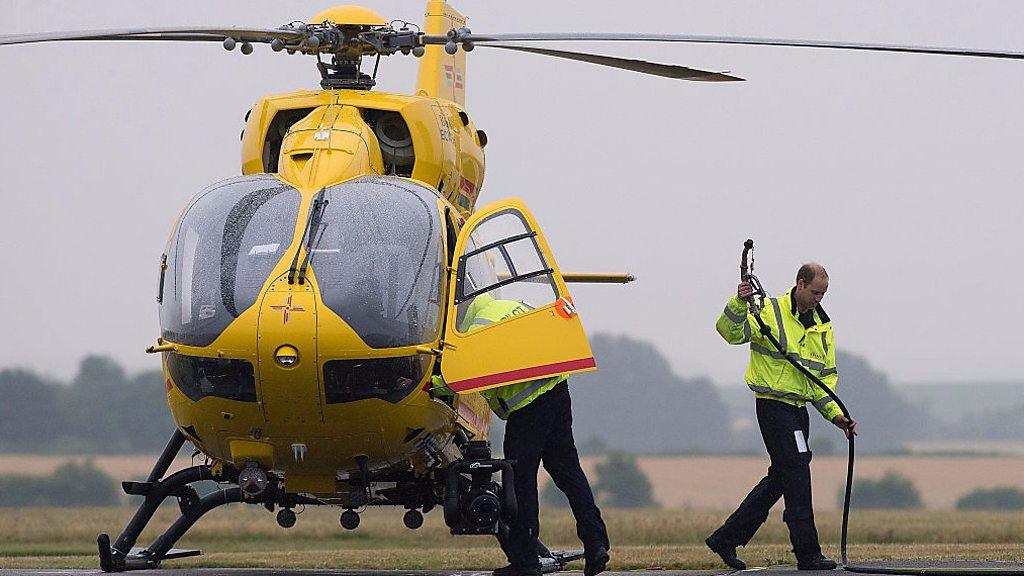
[[428, 139], [330, 144]]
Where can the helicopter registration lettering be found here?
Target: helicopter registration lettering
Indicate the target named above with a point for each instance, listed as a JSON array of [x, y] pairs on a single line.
[[444, 126]]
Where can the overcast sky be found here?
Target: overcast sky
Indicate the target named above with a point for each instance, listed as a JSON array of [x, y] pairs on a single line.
[[902, 174]]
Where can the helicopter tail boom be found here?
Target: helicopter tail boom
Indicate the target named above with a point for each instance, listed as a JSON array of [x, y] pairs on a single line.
[[442, 75]]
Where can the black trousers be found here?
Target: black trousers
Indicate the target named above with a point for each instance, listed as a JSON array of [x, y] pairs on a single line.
[[789, 477], [542, 431]]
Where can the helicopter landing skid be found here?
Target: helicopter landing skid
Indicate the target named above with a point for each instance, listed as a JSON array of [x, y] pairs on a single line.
[[113, 560], [138, 558], [155, 490], [558, 559]]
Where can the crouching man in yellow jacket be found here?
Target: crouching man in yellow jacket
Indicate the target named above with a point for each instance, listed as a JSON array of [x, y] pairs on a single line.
[[538, 416]]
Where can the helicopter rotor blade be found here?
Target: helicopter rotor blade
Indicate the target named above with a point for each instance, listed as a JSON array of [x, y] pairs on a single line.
[[188, 34], [495, 39], [641, 66]]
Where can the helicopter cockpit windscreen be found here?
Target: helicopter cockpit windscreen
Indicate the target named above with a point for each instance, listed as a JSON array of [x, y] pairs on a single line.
[[378, 257], [224, 248]]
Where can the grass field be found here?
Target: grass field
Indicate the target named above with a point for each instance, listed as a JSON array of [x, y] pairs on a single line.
[[703, 482], [695, 493], [248, 536]]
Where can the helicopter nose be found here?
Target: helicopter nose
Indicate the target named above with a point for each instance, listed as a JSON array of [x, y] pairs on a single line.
[[286, 330]]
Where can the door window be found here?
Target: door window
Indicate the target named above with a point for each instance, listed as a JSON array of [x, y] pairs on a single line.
[[502, 261]]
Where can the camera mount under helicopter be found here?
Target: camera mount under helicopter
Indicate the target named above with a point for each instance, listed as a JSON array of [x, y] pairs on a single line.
[[474, 503]]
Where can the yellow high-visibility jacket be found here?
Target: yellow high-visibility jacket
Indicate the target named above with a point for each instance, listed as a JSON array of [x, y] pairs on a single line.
[[503, 400], [769, 374]]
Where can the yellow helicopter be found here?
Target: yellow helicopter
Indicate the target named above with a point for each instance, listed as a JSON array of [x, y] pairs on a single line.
[[305, 305]]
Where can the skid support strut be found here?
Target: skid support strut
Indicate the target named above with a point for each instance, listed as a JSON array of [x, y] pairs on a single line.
[[155, 490], [174, 444], [161, 547], [176, 484]]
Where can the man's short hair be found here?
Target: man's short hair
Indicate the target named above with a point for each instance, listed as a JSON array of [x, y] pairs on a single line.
[[809, 271]]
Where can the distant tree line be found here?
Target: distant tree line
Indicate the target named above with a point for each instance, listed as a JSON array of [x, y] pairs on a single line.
[[894, 491], [619, 483], [101, 410], [71, 484], [996, 424], [634, 403], [886, 419], [891, 491]]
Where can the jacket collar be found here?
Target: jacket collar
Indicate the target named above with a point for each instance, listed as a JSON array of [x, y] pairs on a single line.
[[822, 316]]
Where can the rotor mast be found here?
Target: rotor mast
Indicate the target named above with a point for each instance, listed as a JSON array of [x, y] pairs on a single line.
[[346, 24]]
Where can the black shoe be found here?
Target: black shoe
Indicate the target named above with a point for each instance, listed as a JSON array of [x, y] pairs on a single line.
[[819, 563], [726, 553], [511, 570], [596, 561]]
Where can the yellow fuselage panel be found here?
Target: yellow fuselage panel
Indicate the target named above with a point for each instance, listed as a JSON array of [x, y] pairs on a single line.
[[389, 435], [290, 396], [331, 145]]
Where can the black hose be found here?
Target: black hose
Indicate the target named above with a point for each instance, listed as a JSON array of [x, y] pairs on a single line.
[[846, 499], [766, 331]]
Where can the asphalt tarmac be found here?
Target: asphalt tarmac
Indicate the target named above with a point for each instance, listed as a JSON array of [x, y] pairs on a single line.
[[884, 568], [773, 571]]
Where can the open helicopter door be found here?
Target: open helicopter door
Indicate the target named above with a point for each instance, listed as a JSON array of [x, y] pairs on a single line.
[[501, 255]]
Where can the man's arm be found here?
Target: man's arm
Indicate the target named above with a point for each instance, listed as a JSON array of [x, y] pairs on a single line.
[[734, 323], [830, 377]]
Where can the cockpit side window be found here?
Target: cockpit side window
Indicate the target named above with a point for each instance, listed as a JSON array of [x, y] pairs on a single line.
[[224, 248]]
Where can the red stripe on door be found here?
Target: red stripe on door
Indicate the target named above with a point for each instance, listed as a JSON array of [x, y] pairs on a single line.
[[522, 374]]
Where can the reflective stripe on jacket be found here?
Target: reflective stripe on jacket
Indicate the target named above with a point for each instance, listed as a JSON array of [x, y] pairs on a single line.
[[504, 400], [769, 374]]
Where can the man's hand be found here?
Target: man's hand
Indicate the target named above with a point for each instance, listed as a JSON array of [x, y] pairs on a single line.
[[847, 425], [744, 290]]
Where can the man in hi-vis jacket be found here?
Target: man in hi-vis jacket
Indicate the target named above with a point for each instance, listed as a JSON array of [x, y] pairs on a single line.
[[804, 331], [538, 416]]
